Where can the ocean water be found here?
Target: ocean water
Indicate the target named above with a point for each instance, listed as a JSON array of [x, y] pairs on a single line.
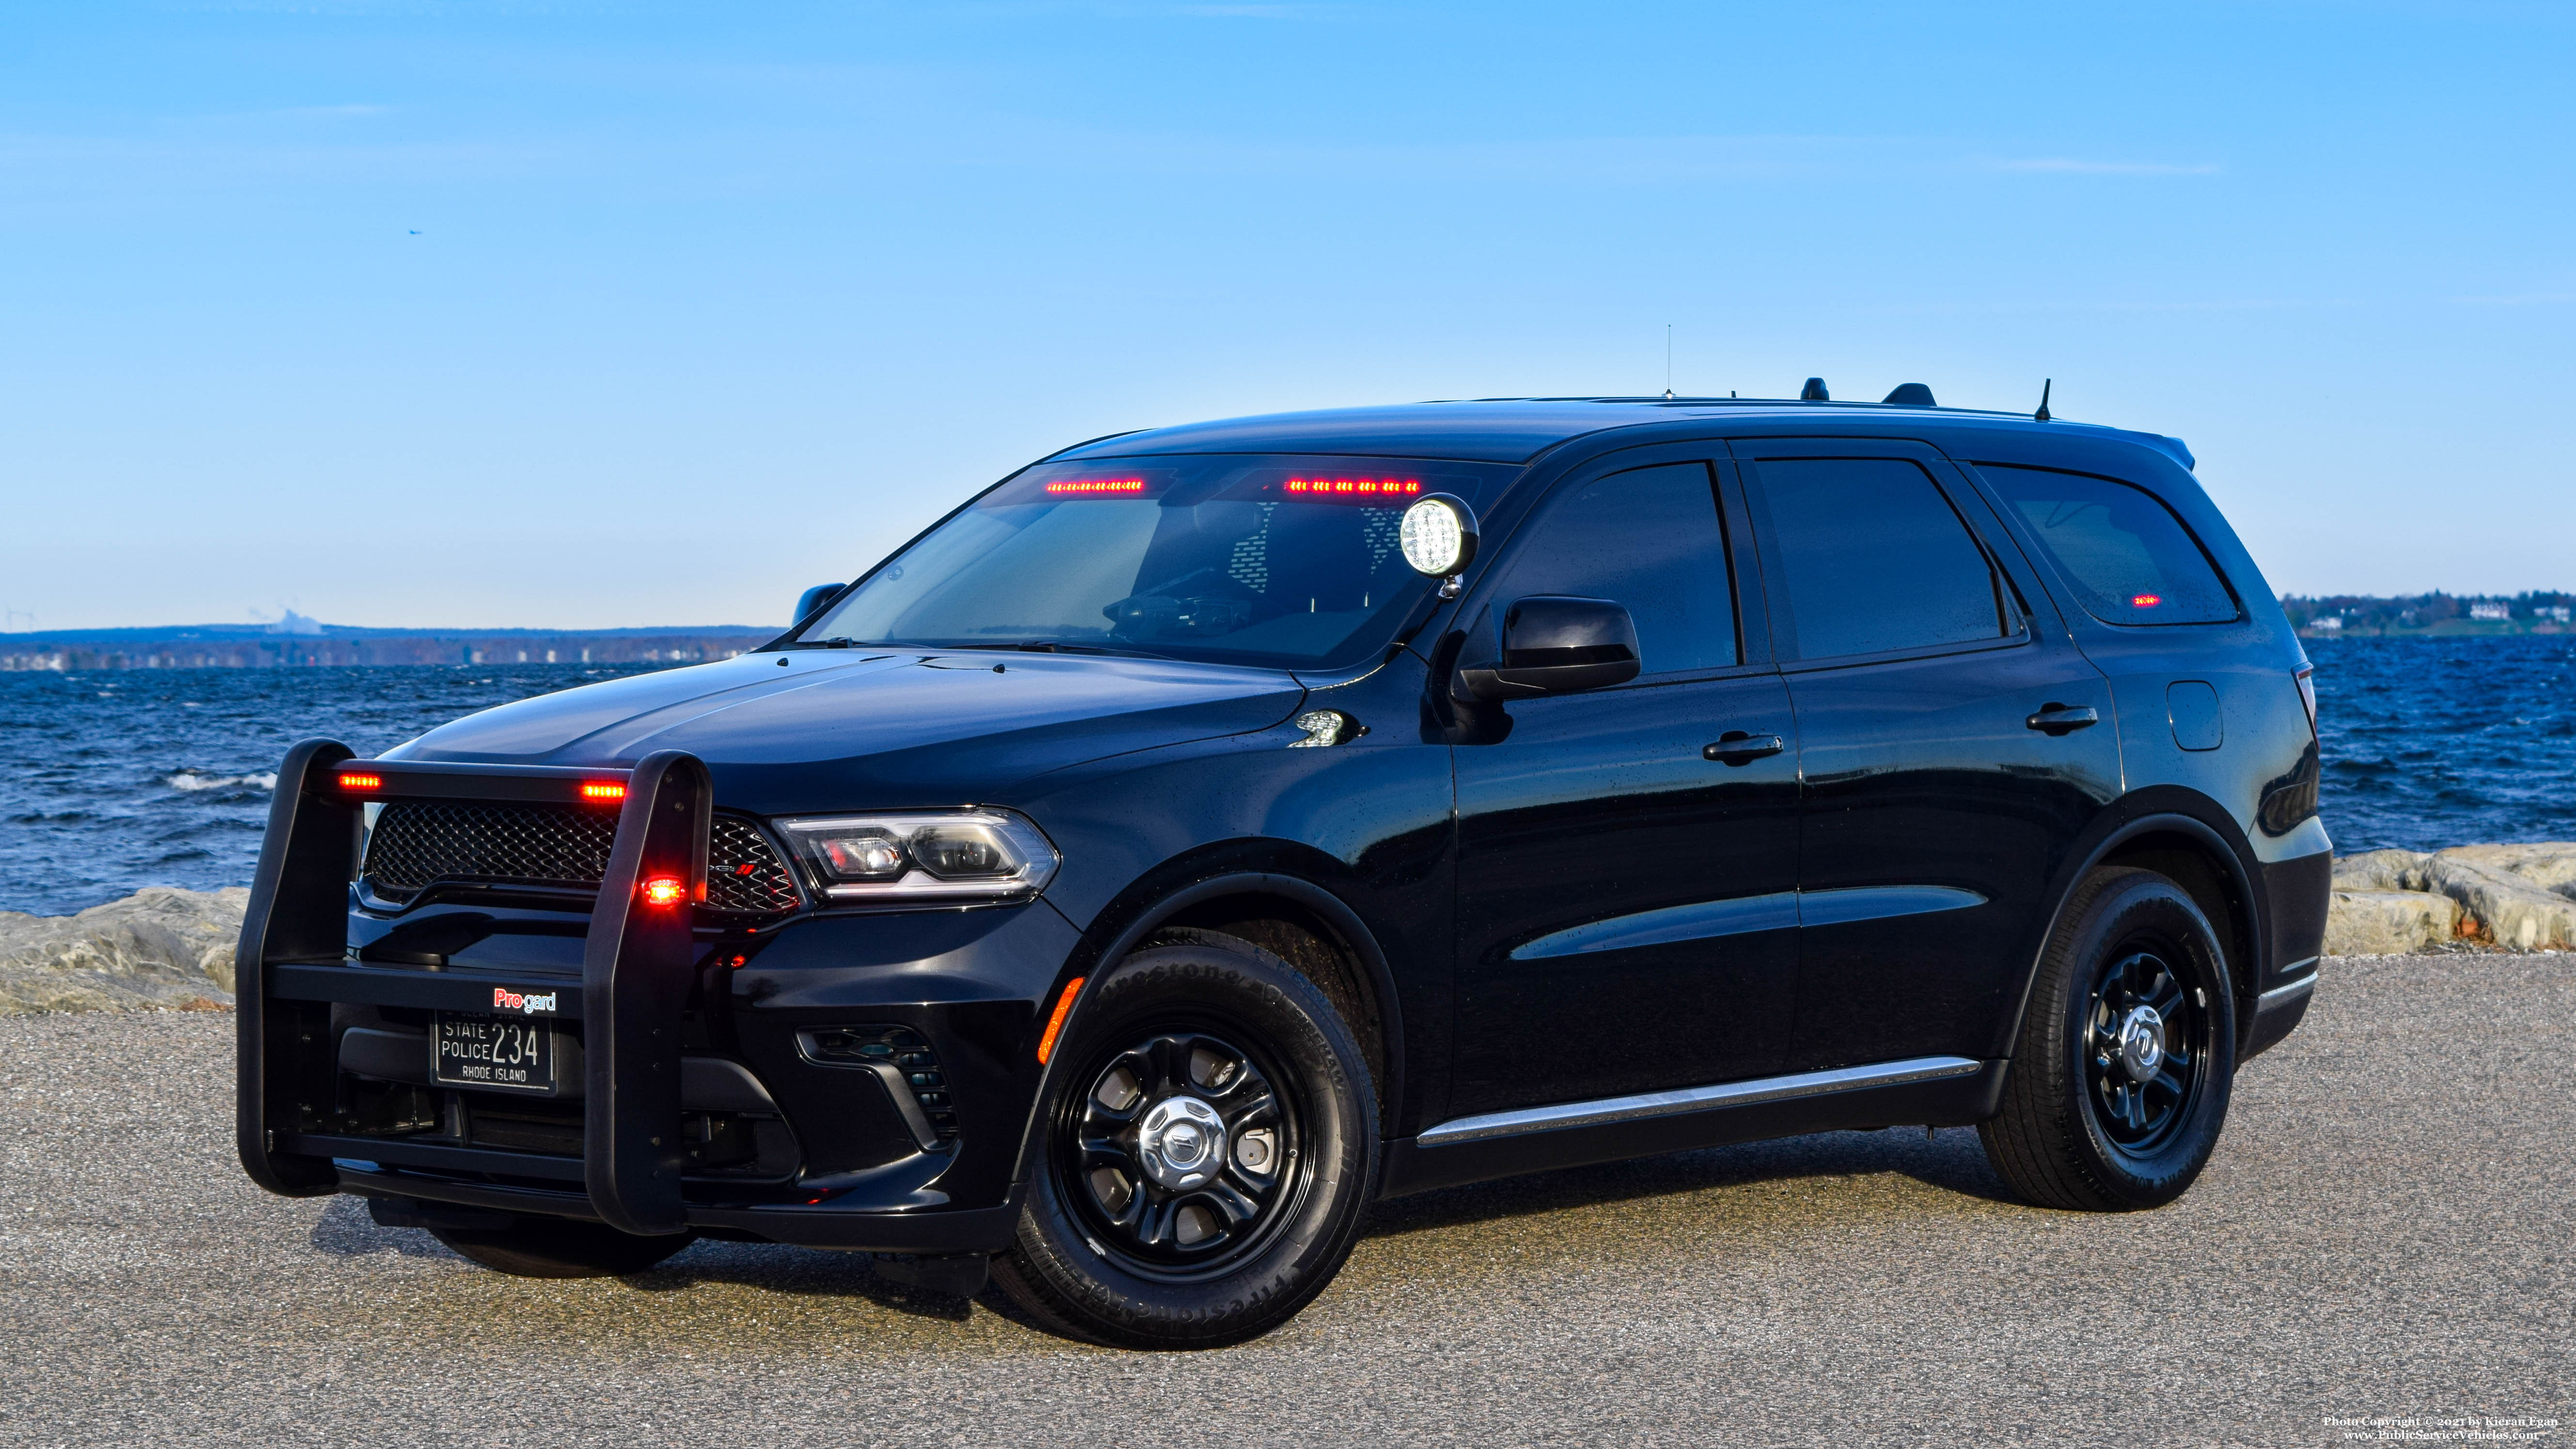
[[2437, 742], [115, 780]]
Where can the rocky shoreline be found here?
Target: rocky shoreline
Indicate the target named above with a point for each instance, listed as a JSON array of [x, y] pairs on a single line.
[[159, 949], [2393, 902], [164, 949]]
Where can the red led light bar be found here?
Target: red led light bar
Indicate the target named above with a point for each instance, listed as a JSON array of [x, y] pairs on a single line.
[[2146, 601], [1355, 487], [355, 781], [1098, 485], [665, 890], [602, 790]]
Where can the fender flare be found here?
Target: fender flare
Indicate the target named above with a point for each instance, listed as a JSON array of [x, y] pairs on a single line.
[[2159, 817], [1101, 950]]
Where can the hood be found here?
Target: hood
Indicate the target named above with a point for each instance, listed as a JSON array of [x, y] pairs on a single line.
[[845, 730]]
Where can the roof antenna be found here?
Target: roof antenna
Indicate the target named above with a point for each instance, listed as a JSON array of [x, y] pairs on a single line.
[[1814, 391], [2042, 415], [1668, 362]]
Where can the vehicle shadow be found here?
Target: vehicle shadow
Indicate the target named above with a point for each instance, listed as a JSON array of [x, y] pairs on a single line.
[[1951, 1160], [346, 1231]]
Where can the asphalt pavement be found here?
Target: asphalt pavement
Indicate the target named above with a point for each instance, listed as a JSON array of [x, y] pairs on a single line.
[[2388, 1232]]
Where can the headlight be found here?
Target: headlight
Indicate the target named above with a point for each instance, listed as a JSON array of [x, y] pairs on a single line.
[[952, 854]]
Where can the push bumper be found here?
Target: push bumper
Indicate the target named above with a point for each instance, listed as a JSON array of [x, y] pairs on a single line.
[[668, 1038]]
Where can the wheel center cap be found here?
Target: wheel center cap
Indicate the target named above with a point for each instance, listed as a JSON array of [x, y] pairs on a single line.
[[1181, 1142], [2142, 1042]]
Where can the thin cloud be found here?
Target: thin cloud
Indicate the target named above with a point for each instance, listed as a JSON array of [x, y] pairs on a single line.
[[2068, 165]]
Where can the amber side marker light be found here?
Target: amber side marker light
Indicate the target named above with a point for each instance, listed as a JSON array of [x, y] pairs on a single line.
[[1055, 1023], [665, 890], [602, 790], [362, 782]]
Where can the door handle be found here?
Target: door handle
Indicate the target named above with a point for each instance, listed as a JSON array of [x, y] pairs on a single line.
[[1735, 747], [2056, 719]]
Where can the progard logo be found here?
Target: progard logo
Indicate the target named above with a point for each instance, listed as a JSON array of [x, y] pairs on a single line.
[[530, 1004]]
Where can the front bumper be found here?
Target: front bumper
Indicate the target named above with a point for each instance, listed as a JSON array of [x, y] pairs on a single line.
[[853, 1080]]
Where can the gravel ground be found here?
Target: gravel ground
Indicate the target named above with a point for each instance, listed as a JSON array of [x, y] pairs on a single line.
[[2386, 1231]]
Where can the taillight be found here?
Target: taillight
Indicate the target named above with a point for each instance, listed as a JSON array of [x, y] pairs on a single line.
[[2308, 694]]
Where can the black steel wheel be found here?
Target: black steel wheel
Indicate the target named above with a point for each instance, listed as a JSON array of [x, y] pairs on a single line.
[[2121, 1076], [1211, 1143], [1183, 1156], [2145, 1047]]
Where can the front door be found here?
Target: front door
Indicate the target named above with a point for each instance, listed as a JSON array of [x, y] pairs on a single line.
[[1954, 743], [1626, 876]]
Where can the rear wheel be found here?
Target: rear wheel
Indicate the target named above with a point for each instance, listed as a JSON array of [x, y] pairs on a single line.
[[2120, 1082], [561, 1248], [1211, 1141]]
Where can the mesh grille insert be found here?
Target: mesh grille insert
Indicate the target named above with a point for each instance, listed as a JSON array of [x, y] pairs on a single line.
[[416, 843], [744, 873]]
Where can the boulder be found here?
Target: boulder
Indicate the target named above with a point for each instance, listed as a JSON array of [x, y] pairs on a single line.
[[160, 947], [2381, 870], [2507, 909], [2388, 922], [2548, 864]]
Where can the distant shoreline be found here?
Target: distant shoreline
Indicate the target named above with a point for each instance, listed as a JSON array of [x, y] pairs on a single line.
[[237, 646]]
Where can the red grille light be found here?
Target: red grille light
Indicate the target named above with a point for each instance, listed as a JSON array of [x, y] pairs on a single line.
[[665, 890], [602, 790], [355, 781], [2145, 601]]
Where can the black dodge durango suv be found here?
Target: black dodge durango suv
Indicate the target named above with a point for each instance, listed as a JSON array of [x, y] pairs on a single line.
[[1205, 832]]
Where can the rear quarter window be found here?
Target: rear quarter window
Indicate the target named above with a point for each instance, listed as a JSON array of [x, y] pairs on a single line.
[[2129, 560]]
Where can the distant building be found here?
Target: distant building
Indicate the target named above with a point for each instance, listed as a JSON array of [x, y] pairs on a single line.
[[2491, 611], [2331, 623], [2558, 612]]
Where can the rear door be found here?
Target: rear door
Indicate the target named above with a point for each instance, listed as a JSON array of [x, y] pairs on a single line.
[[1627, 908], [1953, 744]]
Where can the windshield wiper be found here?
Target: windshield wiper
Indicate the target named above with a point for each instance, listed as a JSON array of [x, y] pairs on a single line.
[[1057, 646]]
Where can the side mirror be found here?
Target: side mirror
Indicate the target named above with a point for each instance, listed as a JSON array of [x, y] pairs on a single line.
[[813, 599], [1558, 645]]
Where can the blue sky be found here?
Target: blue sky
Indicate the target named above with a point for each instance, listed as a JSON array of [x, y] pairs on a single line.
[[589, 315]]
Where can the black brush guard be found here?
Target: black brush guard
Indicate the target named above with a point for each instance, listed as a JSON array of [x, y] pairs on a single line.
[[637, 966]]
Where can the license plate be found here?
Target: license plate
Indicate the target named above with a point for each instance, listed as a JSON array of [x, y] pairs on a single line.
[[493, 1053]]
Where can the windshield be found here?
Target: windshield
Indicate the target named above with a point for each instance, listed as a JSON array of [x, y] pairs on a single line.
[[1280, 561]]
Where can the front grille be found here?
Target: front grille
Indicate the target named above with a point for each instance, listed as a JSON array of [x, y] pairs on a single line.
[[744, 873], [416, 843]]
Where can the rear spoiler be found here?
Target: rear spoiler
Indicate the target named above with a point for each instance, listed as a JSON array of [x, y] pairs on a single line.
[[637, 961]]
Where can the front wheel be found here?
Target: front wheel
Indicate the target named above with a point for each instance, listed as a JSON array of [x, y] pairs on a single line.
[[2120, 1081], [1211, 1142]]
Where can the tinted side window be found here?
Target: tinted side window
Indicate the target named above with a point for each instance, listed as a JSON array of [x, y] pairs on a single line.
[[1874, 558], [2129, 559], [1649, 538]]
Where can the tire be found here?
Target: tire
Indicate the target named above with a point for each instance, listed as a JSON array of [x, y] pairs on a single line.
[[1171, 1209], [2106, 1110], [537, 1247]]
